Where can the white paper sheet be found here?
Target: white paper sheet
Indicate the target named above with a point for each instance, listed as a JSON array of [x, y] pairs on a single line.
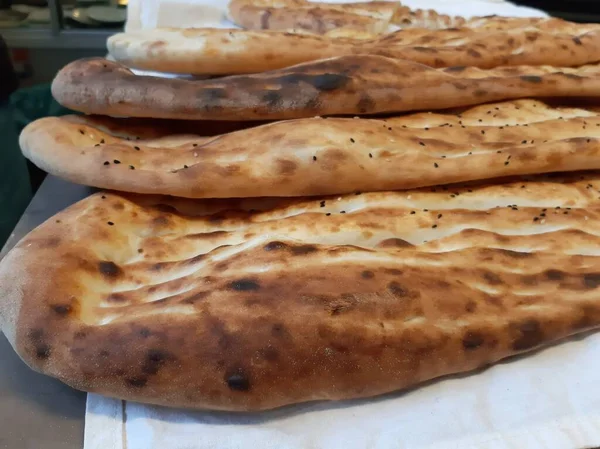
[[546, 400]]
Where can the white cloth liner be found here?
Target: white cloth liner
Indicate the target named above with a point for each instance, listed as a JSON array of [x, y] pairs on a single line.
[[546, 400]]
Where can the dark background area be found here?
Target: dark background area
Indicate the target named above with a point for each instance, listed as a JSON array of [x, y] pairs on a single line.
[[574, 10]]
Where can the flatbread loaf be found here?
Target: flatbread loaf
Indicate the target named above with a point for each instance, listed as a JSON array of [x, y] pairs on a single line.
[[376, 17], [496, 42], [260, 304], [324, 156], [347, 85]]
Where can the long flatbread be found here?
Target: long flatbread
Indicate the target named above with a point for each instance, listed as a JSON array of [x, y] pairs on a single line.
[[495, 42], [262, 304], [325, 156], [376, 17], [348, 85]]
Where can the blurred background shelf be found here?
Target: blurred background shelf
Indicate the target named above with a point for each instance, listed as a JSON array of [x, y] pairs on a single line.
[[44, 38]]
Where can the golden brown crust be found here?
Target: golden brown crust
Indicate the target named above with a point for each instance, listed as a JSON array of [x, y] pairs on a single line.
[[153, 300], [498, 42], [347, 85], [376, 17], [324, 156]]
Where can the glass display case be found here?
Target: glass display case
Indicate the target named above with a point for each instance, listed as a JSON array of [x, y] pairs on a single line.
[[61, 23]]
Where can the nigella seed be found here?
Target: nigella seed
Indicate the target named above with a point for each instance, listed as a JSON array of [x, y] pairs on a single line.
[[131, 167], [322, 204], [137, 148], [116, 161], [81, 131], [439, 215], [314, 158], [97, 145], [352, 140], [370, 155], [342, 212], [425, 210], [106, 163], [434, 226], [435, 165], [422, 144], [524, 141], [412, 212], [506, 163], [536, 218], [499, 151], [328, 214], [195, 145], [101, 140], [110, 223], [482, 131]]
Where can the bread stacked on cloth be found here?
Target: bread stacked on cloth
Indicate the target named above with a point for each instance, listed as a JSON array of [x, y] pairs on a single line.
[[248, 255]]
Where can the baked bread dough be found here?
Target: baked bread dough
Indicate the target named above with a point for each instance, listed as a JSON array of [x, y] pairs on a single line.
[[255, 304], [376, 17], [346, 85], [495, 42], [322, 156]]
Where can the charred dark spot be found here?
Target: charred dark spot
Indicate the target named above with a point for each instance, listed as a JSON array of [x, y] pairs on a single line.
[[531, 78], [492, 278], [555, 275], [272, 98], [460, 86], [455, 69], [116, 297], [591, 280], [529, 335], [533, 37], [393, 271], [155, 359], [275, 246], [264, 19], [42, 351], [397, 290], [330, 81], [395, 243], [279, 330], [104, 353], [472, 340], [365, 104], [109, 269], [515, 254], [425, 49], [237, 380], [244, 285], [577, 41], [145, 332], [480, 93], [269, 353], [303, 249], [49, 243], [286, 167], [323, 82], [470, 307], [213, 94], [161, 220], [474, 53], [80, 335], [62, 309], [367, 274], [136, 382]]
